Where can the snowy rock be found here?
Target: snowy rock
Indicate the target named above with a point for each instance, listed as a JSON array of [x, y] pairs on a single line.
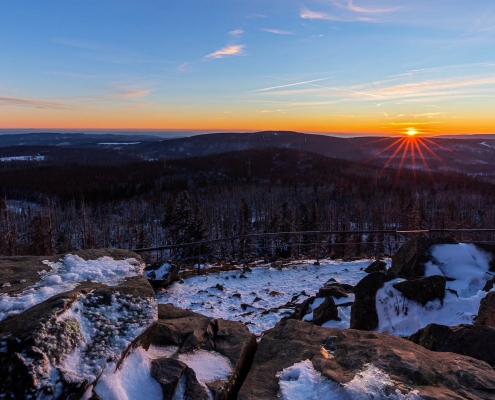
[[192, 332], [352, 364], [409, 261], [469, 340], [177, 380], [162, 276], [334, 289], [61, 346], [376, 266], [325, 312], [486, 313], [423, 290], [363, 312]]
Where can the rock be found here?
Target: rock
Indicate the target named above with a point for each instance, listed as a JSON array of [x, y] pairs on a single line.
[[325, 312], [423, 290], [486, 312], [39, 342], [376, 266], [340, 355], [190, 331], [469, 340], [335, 290], [219, 286], [489, 285], [363, 311], [302, 309], [408, 262], [168, 372]]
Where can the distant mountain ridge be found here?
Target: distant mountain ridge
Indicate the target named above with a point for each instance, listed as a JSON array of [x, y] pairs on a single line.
[[471, 154]]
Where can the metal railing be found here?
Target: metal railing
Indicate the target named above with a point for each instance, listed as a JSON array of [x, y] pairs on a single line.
[[244, 248]]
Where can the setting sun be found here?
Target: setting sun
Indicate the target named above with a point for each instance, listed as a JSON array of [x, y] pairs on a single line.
[[411, 132]]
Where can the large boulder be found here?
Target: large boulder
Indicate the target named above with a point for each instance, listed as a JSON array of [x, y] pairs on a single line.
[[409, 261], [61, 346], [423, 290], [66, 319], [190, 332], [486, 312], [354, 362], [363, 310], [469, 340]]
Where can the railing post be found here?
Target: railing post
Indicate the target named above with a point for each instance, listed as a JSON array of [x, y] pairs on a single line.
[[244, 254], [199, 260], [318, 250]]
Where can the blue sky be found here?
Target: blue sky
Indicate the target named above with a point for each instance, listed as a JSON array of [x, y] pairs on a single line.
[[319, 65]]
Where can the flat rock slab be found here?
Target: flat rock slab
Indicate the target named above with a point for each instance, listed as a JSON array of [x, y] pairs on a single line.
[[18, 273], [341, 354]]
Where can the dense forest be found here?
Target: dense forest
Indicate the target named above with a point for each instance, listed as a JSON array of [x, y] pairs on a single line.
[[53, 207]]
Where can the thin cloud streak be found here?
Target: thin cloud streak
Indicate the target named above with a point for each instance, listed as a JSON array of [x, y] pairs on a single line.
[[276, 31], [236, 32], [19, 102], [288, 85], [233, 50]]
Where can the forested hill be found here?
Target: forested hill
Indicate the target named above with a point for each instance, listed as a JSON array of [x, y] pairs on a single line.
[[61, 206]]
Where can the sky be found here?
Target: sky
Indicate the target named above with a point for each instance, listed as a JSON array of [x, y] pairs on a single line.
[[347, 66]]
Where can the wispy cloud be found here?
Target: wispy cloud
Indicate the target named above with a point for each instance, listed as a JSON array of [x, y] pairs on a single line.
[[254, 15], [232, 50], [73, 74], [32, 103], [308, 14], [236, 32], [276, 31], [348, 11], [273, 111], [350, 6], [289, 85]]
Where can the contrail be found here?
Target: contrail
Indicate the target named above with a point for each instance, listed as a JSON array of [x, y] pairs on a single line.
[[290, 84]]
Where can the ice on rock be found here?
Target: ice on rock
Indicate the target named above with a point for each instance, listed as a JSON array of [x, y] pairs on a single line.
[[65, 275], [302, 382]]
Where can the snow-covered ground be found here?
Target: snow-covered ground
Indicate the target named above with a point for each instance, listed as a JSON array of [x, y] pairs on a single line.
[[64, 276], [257, 300], [22, 158], [250, 299]]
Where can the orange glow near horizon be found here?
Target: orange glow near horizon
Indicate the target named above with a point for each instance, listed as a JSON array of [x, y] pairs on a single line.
[[241, 119]]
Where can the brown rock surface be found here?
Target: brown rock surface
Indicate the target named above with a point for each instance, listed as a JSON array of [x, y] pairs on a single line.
[[469, 340], [412, 367], [423, 290], [486, 312], [363, 310]]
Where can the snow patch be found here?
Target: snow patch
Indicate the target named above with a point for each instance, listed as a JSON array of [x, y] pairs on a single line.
[[23, 158], [133, 381], [65, 275], [302, 382], [208, 366]]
